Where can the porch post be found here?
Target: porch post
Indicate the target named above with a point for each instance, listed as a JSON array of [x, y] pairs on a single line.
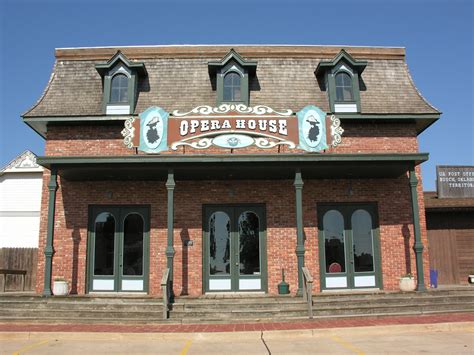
[[418, 246], [48, 250], [299, 229], [170, 184]]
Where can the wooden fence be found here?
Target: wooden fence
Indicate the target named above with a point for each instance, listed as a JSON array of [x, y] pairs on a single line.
[[19, 259]]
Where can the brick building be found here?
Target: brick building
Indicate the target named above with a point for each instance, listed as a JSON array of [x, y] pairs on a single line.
[[229, 165]]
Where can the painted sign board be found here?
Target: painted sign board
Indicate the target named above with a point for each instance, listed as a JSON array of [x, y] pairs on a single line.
[[232, 126], [455, 181]]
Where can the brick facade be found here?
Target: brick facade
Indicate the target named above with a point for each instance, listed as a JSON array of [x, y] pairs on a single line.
[[392, 197], [75, 89]]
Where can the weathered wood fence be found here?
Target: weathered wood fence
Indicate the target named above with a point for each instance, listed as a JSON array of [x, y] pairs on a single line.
[[19, 259]]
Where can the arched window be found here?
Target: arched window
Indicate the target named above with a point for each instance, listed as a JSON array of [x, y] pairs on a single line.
[[344, 87], [119, 89], [232, 87]]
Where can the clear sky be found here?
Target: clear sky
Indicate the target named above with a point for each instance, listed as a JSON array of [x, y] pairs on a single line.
[[437, 34]]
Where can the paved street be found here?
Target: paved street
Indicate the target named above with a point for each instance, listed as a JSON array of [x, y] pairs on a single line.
[[441, 338]]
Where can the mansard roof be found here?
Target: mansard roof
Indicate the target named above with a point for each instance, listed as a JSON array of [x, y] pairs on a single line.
[[178, 79]]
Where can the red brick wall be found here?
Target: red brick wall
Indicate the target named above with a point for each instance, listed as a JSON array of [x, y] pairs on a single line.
[[73, 198], [107, 140]]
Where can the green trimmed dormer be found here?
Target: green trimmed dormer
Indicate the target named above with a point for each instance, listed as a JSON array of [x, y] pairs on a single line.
[[230, 77], [341, 78], [120, 84]]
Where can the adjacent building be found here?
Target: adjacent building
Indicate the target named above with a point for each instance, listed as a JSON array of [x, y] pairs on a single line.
[[20, 202], [450, 224], [229, 165]]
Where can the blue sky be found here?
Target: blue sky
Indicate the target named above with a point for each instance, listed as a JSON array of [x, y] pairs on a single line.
[[438, 36]]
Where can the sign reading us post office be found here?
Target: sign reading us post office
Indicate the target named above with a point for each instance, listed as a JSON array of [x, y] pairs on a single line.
[[232, 126], [455, 181]]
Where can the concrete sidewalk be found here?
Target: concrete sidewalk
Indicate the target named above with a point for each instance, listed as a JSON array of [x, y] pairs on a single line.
[[441, 338]]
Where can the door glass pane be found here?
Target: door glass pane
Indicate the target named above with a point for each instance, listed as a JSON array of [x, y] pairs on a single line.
[[249, 245], [362, 241], [333, 224], [133, 245], [219, 244], [104, 244]]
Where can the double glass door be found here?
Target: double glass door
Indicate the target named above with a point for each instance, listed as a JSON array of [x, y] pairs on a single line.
[[234, 248], [349, 246], [118, 248]]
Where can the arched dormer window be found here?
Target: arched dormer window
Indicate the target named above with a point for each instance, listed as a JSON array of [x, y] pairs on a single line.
[[342, 78], [232, 91], [120, 78], [344, 91], [119, 89], [231, 77]]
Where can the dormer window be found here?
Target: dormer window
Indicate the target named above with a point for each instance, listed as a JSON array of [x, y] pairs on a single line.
[[341, 79], [119, 89], [232, 90], [230, 78], [120, 77], [344, 90]]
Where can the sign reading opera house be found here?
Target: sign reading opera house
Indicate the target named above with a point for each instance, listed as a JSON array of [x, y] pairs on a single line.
[[221, 173]]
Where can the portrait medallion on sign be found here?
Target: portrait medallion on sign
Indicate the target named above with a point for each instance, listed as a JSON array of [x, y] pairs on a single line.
[[312, 129], [153, 137]]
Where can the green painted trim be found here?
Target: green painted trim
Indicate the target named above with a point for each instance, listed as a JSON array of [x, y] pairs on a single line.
[[347, 209], [418, 246], [170, 251], [120, 212], [331, 80], [298, 184], [49, 249], [103, 68], [106, 93], [244, 86], [132, 92], [233, 211], [47, 161], [216, 65], [324, 65]]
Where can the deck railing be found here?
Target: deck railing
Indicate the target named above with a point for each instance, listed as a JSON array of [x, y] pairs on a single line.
[[166, 291], [308, 290]]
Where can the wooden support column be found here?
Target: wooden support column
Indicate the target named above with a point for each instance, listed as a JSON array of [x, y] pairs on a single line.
[[418, 246], [170, 184], [299, 229], [49, 250]]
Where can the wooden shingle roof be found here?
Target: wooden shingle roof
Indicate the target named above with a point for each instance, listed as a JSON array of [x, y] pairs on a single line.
[[433, 203], [178, 79]]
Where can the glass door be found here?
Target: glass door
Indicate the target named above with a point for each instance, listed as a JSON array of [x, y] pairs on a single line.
[[349, 246], [234, 255], [118, 249]]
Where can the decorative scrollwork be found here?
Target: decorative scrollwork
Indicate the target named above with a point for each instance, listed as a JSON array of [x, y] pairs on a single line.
[[128, 132], [336, 131], [200, 144], [240, 108], [265, 143]]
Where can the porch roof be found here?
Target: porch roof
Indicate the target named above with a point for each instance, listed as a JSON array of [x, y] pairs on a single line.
[[233, 166]]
